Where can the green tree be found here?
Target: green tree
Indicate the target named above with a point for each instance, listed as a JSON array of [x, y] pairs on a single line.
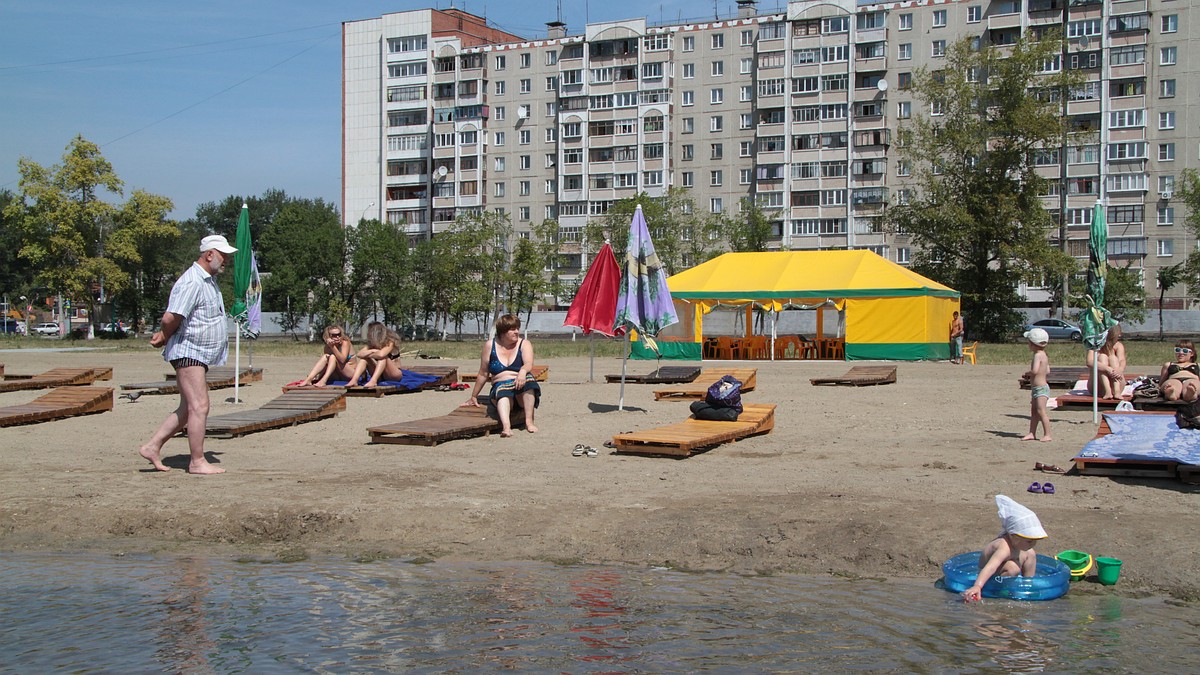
[[1168, 277], [978, 219], [528, 282], [144, 242], [751, 229], [307, 248], [81, 245], [681, 239], [1124, 295], [222, 217], [381, 270], [16, 272], [1187, 190]]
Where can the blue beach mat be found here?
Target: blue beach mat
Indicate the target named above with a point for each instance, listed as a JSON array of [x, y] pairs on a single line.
[[1147, 438], [408, 380]]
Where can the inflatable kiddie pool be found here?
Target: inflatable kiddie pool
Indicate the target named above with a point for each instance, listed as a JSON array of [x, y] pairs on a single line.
[[1052, 580]]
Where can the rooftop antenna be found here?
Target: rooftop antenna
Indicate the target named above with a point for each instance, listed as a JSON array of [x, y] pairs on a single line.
[[559, 17], [716, 16]]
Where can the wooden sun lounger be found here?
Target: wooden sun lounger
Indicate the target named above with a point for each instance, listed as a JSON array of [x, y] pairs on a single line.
[[1084, 402], [860, 376], [55, 377], [697, 388], [290, 409], [460, 423], [58, 404], [692, 435], [664, 375], [1066, 377], [540, 373], [217, 378]]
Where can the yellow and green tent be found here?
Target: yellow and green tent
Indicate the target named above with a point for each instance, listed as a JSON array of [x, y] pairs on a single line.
[[891, 312]]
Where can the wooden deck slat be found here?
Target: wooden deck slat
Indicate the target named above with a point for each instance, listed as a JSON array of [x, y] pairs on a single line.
[[698, 388], [860, 376], [460, 423], [216, 378], [685, 438], [60, 403]]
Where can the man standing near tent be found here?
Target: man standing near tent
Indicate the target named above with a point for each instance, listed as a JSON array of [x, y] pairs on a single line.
[[956, 339], [194, 334]]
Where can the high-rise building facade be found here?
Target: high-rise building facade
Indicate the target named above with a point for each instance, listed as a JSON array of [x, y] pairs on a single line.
[[797, 110]]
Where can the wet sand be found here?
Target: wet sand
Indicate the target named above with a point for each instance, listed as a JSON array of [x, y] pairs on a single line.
[[884, 481]]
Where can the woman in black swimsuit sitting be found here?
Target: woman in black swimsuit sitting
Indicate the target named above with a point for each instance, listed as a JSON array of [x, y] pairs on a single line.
[[506, 360], [1180, 380]]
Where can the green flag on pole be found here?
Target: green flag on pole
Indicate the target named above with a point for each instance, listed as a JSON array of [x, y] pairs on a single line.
[[245, 286], [1095, 319]]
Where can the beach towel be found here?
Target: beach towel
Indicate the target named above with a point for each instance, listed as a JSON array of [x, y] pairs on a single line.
[[1145, 437], [408, 380]]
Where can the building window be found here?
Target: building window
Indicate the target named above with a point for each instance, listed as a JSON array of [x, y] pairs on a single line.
[[1166, 88], [499, 164], [1166, 215], [715, 205], [689, 71], [689, 125], [500, 62], [974, 14], [748, 37], [745, 148], [905, 52], [716, 123], [1166, 183], [747, 65], [716, 96], [902, 256], [689, 179], [1166, 119], [689, 151], [904, 110], [689, 98], [499, 189], [523, 188], [523, 137], [939, 48], [1166, 248], [718, 41], [744, 176], [1170, 23], [903, 81], [1167, 56], [903, 168], [500, 88], [689, 43], [717, 150], [714, 178], [526, 86], [718, 68], [524, 162], [1166, 152], [747, 93], [939, 18], [906, 22]]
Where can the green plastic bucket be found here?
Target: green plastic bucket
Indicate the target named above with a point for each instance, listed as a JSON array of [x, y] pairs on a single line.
[[1108, 570], [1079, 562]]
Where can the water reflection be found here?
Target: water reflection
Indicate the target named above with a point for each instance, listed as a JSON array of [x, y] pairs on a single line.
[[199, 615]]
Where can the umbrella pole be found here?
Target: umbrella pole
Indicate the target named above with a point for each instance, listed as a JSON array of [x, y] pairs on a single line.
[[237, 363], [1095, 386], [592, 360], [624, 363]]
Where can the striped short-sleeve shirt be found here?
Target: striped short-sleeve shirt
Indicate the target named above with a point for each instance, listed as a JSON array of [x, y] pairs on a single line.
[[203, 335]]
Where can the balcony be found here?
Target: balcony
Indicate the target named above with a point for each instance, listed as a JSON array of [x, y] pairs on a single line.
[[1002, 21]]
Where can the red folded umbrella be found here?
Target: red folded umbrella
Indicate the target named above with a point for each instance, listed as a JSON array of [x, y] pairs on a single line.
[[595, 305]]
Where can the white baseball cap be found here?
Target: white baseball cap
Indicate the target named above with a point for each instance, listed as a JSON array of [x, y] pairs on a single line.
[[1037, 336], [216, 242]]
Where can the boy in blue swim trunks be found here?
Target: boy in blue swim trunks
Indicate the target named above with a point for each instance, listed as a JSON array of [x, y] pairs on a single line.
[[1039, 387]]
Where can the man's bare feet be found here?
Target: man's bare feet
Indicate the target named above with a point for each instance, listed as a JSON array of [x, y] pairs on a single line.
[[204, 468], [1046, 438], [1029, 437], [507, 433], [531, 428], [153, 457]]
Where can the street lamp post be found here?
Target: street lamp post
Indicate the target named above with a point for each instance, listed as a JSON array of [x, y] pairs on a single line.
[[363, 216]]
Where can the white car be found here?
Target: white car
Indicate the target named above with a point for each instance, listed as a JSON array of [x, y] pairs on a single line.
[[50, 328]]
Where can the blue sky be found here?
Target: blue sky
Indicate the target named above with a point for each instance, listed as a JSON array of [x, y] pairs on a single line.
[[200, 100]]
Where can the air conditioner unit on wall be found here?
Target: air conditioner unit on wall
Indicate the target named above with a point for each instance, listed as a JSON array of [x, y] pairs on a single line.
[[1166, 195]]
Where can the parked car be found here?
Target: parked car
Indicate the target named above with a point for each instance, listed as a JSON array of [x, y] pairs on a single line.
[[423, 332], [1057, 329], [11, 327], [48, 328]]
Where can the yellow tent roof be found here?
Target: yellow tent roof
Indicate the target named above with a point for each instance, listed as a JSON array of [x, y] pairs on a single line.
[[804, 275]]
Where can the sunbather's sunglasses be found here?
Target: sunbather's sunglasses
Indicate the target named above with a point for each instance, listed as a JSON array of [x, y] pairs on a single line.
[[333, 335], [1182, 350]]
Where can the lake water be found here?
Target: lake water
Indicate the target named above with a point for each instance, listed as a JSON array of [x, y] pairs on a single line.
[[99, 614]]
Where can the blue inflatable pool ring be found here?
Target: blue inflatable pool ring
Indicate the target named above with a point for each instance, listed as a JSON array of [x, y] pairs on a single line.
[[1052, 580]]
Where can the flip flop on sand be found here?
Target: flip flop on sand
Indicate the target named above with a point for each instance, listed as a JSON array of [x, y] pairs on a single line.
[[592, 452], [1034, 487], [1048, 468], [1048, 488], [579, 450]]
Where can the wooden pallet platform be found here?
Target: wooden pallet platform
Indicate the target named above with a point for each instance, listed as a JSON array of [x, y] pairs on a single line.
[[55, 377], [217, 378], [459, 423], [664, 375], [290, 409], [540, 373], [860, 376], [1140, 468], [445, 374], [697, 388], [63, 402], [690, 436], [1084, 402]]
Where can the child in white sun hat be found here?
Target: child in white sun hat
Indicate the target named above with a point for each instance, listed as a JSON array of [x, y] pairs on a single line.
[[1011, 553]]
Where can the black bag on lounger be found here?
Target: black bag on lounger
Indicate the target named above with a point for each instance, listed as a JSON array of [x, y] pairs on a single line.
[[1188, 416], [703, 410]]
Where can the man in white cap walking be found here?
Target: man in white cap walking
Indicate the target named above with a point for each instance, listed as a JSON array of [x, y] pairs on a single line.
[[194, 335]]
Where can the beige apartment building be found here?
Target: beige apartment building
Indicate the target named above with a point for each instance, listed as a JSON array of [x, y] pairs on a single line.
[[797, 110]]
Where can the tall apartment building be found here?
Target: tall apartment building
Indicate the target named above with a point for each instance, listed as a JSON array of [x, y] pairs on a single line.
[[798, 110]]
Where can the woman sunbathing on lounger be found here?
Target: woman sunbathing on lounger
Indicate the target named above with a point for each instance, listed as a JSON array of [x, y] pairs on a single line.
[[336, 362], [381, 355], [1110, 364], [1180, 380], [506, 360]]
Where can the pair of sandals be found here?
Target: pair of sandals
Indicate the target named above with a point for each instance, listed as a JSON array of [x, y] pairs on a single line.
[[1043, 488], [581, 450]]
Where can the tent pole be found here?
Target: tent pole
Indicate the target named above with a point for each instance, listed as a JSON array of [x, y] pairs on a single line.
[[774, 331]]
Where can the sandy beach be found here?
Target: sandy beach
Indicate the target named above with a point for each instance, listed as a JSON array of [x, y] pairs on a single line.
[[884, 481]]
